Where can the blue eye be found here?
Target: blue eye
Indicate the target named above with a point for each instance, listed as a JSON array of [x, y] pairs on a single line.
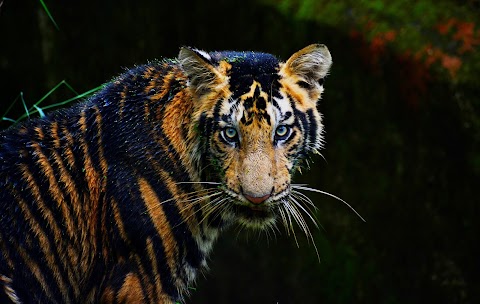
[[230, 134], [282, 132]]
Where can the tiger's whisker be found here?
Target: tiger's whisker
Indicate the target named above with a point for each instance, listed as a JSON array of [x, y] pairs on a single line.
[[201, 209], [290, 224], [305, 204], [204, 199], [214, 208], [304, 198], [189, 200], [305, 211], [197, 202], [199, 182], [331, 195], [299, 219], [284, 219], [225, 208], [188, 195]]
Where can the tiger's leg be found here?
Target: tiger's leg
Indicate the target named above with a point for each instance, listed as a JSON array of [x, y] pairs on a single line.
[[131, 285]]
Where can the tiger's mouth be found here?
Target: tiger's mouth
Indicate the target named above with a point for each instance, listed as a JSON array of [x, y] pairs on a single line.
[[251, 215], [253, 212], [258, 216]]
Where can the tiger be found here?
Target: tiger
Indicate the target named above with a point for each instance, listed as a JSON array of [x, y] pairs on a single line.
[[120, 198]]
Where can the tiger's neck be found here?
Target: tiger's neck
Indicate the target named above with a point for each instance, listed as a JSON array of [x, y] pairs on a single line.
[[154, 140], [179, 125]]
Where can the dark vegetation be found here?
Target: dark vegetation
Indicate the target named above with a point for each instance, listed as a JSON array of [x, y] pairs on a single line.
[[402, 118]]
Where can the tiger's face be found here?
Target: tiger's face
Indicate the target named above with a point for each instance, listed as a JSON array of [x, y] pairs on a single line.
[[255, 119]]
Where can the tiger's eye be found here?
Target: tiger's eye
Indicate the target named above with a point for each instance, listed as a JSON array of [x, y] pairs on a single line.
[[282, 131], [230, 133]]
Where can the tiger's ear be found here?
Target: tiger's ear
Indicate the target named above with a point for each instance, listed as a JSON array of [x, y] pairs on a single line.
[[202, 75], [309, 66]]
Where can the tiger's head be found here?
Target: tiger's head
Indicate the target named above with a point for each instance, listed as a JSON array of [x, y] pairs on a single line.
[[255, 118]]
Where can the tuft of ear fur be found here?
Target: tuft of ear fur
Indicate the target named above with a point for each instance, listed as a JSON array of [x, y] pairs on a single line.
[[311, 64], [202, 75]]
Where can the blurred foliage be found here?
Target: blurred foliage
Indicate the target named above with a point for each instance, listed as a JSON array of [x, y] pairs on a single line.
[[439, 35]]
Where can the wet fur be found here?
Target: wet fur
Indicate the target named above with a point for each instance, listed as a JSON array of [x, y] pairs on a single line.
[[120, 198]]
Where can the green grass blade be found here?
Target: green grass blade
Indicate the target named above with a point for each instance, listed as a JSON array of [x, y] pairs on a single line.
[[48, 14], [24, 105], [11, 106], [40, 111], [8, 119], [70, 87], [49, 93], [35, 108], [80, 96]]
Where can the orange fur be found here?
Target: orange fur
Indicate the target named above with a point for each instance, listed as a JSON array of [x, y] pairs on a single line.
[[155, 210]]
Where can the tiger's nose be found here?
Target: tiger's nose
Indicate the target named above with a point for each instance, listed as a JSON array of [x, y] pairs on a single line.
[[256, 200]]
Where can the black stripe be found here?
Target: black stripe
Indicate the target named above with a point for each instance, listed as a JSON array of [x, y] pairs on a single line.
[[275, 88], [29, 241], [118, 275], [304, 84], [287, 115], [91, 137], [294, 147], [182, 234], [300, 118], [203, 124], [78, 160], [49, 153], [6, 216], [42, 181], [138, 224], [275, 104], [39, 147], [216, 111]]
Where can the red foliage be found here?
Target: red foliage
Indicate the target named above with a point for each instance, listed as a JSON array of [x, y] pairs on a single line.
[[430, 55], [372, 51], [415, 65], [467, 36], [390, 35], [452, 64], [413, 74], [379, 42], [444, 28], [463, 32]]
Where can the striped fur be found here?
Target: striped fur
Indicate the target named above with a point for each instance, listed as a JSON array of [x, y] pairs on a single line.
[[120, 198]]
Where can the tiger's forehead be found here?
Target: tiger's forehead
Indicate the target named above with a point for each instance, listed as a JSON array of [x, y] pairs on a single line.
[[256, 107], [246, 68], [254, 86]]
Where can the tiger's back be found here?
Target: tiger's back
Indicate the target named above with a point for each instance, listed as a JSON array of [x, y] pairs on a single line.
[[120, 198]]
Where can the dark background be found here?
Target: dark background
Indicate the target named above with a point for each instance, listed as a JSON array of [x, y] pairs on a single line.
[[402, 118]]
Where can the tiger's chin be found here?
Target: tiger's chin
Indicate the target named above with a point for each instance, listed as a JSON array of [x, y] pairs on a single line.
[[254, 217]]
